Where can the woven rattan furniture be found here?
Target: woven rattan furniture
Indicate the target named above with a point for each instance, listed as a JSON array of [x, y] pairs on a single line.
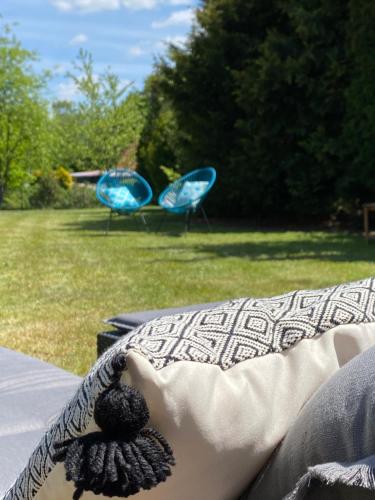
[[124, 192], [186, 195]]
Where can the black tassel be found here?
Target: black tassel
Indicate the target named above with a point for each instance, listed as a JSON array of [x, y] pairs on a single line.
[[122, 459]]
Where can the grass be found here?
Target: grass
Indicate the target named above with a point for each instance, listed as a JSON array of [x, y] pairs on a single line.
[[60, 275]]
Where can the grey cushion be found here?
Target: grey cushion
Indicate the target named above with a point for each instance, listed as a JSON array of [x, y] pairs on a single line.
[[329, 452], [129, 321], [31, 394]]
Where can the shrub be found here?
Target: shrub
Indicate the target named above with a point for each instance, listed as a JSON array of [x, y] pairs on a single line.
[[170, 173], [55, 190], [17, 199], [79, 196], [47, 191], [64, 178]]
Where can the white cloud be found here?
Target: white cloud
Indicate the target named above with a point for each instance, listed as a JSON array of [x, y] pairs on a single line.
[[97, 5], [181, 17], [86, 5], [136, 51], [140, 4], [151, 4], [63, 5], [67, 91], [79, 39]]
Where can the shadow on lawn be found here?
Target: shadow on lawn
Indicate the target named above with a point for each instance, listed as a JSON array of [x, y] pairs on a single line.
[[333, 248], [331, 251], [172, 225], [328, 246]]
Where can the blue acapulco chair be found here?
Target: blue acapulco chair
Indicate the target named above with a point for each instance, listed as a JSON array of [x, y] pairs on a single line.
[[124, 192], [186, 195]]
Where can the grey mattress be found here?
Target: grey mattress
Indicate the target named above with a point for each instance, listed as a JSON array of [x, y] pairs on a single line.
[[129, 321], [31, 394]]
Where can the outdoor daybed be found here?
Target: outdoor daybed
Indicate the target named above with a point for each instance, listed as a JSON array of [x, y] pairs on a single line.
[[32, 393], [303, 376]]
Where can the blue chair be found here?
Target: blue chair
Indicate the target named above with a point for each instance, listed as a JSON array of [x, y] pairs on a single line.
[[186, 195], [124, 192]]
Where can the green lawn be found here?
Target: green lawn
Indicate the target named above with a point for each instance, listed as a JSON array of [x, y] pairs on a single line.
[[60, 275]]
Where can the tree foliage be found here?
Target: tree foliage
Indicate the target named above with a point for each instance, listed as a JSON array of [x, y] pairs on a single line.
[[40, 139], [106, 119], [358, 146], [278, 96], [158, 144], [23, 114]]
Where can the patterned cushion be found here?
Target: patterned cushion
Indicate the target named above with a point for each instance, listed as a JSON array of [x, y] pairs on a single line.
[[121, 197], [223, 386], [191, 191]]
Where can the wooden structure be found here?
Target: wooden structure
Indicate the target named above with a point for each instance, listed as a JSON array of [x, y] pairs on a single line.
[[367, 208]]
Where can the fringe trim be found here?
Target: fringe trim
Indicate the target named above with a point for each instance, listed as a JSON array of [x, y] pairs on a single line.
[[359, 474]]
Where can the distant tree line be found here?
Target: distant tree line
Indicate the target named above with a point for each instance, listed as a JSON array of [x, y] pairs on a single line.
[[277, 95]]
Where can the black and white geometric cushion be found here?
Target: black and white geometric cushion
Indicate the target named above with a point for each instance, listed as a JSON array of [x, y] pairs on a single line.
[[246, 328], [225, 337]]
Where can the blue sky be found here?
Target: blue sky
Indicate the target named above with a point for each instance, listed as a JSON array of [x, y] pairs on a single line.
[[123, 34]]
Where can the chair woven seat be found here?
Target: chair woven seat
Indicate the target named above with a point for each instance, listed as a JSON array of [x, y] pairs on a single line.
[[186, 195], [123, 191]]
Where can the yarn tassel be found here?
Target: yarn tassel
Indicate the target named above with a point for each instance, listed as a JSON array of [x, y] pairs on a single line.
[[124, 457]]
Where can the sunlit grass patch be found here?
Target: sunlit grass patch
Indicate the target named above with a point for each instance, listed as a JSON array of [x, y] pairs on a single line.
[[60, 275]]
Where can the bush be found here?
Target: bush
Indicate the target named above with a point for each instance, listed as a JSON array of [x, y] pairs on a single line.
[[54, 190], [170, 174], [79, 196], [64, 178], [46, 191]]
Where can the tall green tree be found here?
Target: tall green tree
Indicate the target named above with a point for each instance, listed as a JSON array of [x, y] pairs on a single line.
[[357, 183], [67, 141], [105, 120], [23, 113], [292, 100], [278, 96], [158, 142], [202, 83]]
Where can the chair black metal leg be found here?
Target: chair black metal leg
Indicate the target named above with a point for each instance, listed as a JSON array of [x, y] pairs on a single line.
[[109, 221], [143, 219], [162, 221], [206, 218]]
